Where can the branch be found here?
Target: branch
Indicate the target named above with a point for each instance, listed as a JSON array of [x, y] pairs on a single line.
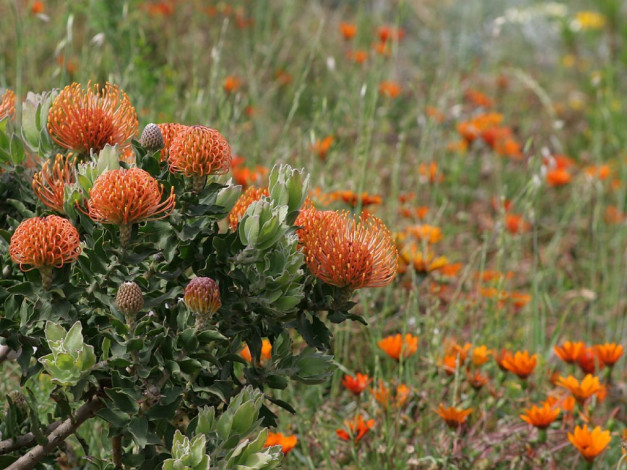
[[27, 440], [56, 437]]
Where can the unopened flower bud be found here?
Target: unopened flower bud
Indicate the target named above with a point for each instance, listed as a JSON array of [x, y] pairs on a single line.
[[129, 300], [151, 138], [202, 296]]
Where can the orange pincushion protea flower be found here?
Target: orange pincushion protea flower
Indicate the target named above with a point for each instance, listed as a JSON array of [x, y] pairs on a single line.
[[169, 131], [81, 120], [609, 353], [358, 428], [356, 384], [589, 444], [7, 104], [200, 151], [589, 386], [520, 363], [569, 352], [249, 196], [396, 346], [350, 253], [541, 418], [287, 443], [453, 417], [44, 241], [125, 197], [49, 183]]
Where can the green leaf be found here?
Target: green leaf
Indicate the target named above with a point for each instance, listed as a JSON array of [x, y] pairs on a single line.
[[139, 430]]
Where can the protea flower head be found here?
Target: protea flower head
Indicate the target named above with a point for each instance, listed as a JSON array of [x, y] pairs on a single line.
[[169, 131], [198, 152], [249, 196], [49, 183], [129, 300], [151, 138], [82, 120], [127, 196], [349, 252], [44, 243], [7, 104], [202, 296]]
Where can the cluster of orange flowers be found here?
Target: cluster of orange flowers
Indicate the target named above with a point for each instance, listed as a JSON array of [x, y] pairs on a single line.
[[386, 36], [488, 128], [245, 176]]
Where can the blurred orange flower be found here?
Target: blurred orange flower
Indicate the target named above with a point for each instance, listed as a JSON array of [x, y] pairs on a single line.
[[558, 177], [231, 84], [588, 387], [287, 443], [37, 7], [586, 360], [389, 89], [266, 351], [477, 379], [396, 346], [429, 233], [359, 56], [390, 33], [480, 355], [383, 395], [589, 444], [321, 147], [357, 428], [542, 417], [516, 224], [348, 30], [609, 353], [429, 173], [569, 352], [520, 363], [356, 384], [453, 417]]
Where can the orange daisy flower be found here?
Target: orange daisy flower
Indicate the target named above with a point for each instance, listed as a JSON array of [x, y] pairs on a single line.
[[389, 89], [49, 183], [541, 418], [516, 224], [396, 346], [357, 428], [249, 196], [231, 84], [7, 104], [586, 360], [350, 253], [198, 152], [558, 177], [583, 390], [609, 353], [84, 120], [569, 351], [453, 417], [44, 243], [383, 395], [125, 197], [450, 363], [520, 363], [322, 147], [589, 444], [287, 443], [356, 384], [266, 351], [359, 56], [481, 355], [476, 379]]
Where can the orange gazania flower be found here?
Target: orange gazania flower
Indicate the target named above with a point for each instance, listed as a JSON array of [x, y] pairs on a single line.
[[7, 104], [429, 233], [356, 384], [389, 33], [450, 363], [249, 196], [558, 177], [40, 242], [565, 403], [169, 131], [287, 443], [501, 356], [541, 418], [350, 252], [49, 183], [266, 351], [477, 380], [589, 444], [389, 89], [348, 30], [609, 353], [231, 84], [429, 173], [589, 386], [322, 147], [569, 352], [516, 224], [125, 197], [520, 363], [453, 417], [200, 151], [359, 56], [357, 428], [396, 346], [37, 8], [84, 120]]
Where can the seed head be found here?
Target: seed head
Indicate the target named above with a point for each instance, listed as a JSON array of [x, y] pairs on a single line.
[[129, 299], [151, 138]]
